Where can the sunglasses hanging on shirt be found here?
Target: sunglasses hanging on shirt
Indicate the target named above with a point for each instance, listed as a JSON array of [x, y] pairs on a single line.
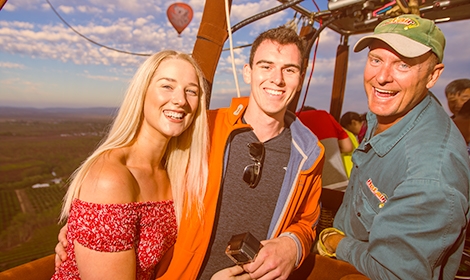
[[252, 172]]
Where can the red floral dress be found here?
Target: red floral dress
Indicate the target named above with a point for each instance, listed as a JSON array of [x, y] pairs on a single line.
[[147, 227]]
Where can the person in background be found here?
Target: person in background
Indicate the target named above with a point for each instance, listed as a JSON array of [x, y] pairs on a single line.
[[335, 140], [355, 123], [406, 208], [124, 202], [355, 126], [265, 175], [334, 177], [347, 157], [457, 93], [462, 120]]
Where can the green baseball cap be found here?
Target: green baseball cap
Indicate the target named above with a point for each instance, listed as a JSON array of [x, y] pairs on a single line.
[[409, 35]]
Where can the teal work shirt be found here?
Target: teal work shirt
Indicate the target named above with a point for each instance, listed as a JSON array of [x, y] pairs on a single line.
[[406, 206]]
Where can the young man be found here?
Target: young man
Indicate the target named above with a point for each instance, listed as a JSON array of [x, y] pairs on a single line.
[[405, 211], [264, 178]]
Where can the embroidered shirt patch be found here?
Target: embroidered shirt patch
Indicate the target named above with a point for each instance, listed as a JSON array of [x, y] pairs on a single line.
[[380, 196]]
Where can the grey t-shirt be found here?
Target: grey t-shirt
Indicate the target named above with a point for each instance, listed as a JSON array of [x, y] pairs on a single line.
[[241, 208]]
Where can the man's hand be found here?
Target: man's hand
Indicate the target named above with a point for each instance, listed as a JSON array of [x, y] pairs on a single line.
[[232, 273], [60, 253], [328, 241], [331, 242], [275, 260]]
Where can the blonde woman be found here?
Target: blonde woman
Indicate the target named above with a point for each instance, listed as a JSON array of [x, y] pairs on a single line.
[[125, 201]]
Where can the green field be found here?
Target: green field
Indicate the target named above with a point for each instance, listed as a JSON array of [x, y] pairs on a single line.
[[38, 151]]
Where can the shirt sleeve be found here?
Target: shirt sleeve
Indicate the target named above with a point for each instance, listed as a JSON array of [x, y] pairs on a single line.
[[104, 227], [417, 226]]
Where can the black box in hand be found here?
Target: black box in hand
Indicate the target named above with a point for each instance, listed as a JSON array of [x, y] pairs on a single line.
[[243, 248]]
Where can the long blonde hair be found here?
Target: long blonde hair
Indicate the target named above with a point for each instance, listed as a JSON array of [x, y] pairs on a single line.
[[186, 157]]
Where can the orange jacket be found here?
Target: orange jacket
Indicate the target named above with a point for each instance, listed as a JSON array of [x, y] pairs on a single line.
[[300, 194]]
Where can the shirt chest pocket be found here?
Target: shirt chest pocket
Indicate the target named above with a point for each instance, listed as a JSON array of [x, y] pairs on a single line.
[[367, 204]]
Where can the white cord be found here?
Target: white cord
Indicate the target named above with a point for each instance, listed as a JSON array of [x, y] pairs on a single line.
[[227, 15]]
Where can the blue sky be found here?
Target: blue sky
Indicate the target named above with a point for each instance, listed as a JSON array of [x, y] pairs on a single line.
[[43, 63]]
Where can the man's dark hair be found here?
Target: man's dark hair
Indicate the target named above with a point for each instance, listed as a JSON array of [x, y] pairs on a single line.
[[281, 35], [308, 108], [348, 117], [456, 87]]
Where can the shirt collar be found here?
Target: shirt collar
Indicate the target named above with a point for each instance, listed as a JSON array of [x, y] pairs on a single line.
[[383, 142]]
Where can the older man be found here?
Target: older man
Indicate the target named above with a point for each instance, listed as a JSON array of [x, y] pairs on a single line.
[[405, 211]]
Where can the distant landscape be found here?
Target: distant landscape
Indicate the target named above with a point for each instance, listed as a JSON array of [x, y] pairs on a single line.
[[39, 150], [61, 113]]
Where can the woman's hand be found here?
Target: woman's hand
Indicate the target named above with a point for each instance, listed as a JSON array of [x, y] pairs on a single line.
[[231, 273]]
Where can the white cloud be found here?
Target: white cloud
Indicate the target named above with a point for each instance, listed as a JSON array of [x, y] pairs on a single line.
[[87, 9], [101, 78], [14, 24], [9, 7], [11, 65], [13, 5], [66, 9]]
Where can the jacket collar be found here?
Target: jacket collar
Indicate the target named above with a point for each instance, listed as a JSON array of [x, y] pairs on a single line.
[[237, 109]]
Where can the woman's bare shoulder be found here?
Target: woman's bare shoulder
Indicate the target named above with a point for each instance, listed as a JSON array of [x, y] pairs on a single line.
[[109, 180]]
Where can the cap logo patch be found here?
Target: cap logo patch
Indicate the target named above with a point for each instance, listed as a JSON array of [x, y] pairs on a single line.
[[407, 22], [409, 35]]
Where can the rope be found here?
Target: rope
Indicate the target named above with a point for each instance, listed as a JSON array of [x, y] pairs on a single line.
[[90, 40], [234, 69]]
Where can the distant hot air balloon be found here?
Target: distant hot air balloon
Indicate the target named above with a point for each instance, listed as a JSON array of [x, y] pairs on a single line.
[[180, 15]]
